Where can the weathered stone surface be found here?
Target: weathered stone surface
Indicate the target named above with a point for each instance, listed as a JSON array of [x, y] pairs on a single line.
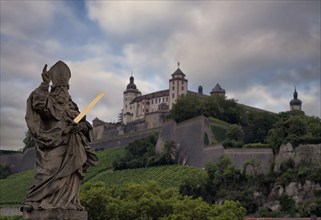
[[307, 153], [302, 192], [189, 139], [62, 145], [273, 205], [299, 192], [55, 214]]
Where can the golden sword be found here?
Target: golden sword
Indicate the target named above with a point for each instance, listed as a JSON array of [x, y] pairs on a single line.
[[87, 109]]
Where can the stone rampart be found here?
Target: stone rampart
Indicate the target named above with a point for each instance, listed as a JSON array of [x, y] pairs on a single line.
[[189, 139], [308, 153], [19, 161], [24, 161], [260, 160], [121, 140]]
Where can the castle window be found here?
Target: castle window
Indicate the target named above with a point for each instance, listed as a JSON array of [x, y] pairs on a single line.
[[182, 82], [173, 83], [166, 99], [159, 100], [173, 88], [155, 101], [152, 101], [163, 99], [173, 95], [182, 88]]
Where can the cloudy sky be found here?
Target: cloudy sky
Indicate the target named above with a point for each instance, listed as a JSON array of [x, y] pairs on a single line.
[[257, 50]]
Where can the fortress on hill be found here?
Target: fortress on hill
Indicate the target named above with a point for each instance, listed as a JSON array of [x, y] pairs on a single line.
[[142, 112], [153, 107]]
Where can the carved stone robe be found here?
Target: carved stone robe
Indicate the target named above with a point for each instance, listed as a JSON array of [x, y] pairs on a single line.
[[61, 158]]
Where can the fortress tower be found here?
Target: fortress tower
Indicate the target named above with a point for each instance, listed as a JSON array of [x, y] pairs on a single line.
[[178, 85], [130, 94]]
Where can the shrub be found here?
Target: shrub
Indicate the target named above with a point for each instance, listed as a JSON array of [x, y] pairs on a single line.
[[141, 153], [206, 140], [287, 204], [256, 145], [4, 171], [149, 201], [232, 143]]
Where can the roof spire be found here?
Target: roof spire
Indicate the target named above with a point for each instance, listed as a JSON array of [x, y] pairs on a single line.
[[178, 64], [295, 94]]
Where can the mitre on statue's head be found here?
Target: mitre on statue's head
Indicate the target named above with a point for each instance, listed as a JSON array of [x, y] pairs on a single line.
[[60, 73]]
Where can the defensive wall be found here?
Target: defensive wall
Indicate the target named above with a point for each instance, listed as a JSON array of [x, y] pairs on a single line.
[[121, 140], [24, 161], [189, 139], [19, 161]]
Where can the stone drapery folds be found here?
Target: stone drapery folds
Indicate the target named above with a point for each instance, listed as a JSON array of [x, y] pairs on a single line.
[[62, 146]]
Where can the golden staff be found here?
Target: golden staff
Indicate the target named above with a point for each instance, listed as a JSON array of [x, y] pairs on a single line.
[[87, 109]]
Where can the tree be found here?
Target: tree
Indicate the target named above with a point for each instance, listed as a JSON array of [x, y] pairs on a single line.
[[229, 210], [224, 109], [4, 171], [235, 136], [168, 155], [186, 107], [235, 133], [149, 201], [141, 153], [257, 126], [28, 140], [296, 128]]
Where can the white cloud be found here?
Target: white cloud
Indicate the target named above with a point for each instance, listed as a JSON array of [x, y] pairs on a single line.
[[24, 19], [139, 18]]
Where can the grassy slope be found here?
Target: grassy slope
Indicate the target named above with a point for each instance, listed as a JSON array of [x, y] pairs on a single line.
[[166, 176], [219, 129], [14, 188]]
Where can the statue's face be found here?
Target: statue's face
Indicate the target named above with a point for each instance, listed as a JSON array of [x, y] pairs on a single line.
[[61, 94]]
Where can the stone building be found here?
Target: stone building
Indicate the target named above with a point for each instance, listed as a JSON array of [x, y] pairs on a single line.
[[154, 107]]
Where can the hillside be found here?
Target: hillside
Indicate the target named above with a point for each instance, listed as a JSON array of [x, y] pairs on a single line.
[[219, 129], [14, 187]]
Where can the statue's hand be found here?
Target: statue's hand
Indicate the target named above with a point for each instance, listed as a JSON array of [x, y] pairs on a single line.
[[75, 128], [45, 75]]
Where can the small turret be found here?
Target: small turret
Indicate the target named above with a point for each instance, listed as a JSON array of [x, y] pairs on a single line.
[[295, 103], [217, 90]]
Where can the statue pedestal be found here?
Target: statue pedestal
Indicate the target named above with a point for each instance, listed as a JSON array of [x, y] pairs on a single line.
[[55, 214]]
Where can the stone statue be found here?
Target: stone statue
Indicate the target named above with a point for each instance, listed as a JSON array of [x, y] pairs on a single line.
[[62, 146]]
